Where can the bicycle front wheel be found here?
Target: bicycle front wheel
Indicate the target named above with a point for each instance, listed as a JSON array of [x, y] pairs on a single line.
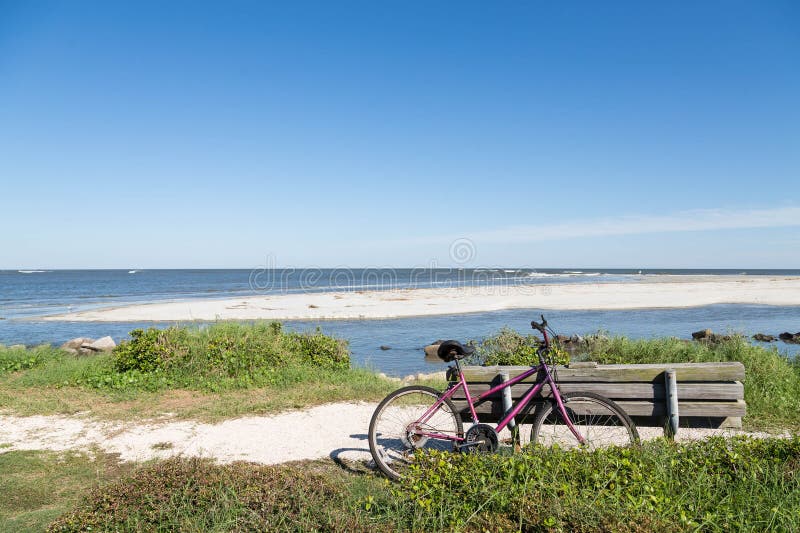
[[397, 429], [599, 422]]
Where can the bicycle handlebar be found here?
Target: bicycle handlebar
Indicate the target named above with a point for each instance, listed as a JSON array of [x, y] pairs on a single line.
[[539, 326]]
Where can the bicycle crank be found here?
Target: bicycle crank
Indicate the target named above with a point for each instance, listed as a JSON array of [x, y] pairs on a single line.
[[480, 438]]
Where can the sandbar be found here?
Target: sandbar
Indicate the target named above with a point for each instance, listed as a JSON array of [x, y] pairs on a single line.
[[661, 292]]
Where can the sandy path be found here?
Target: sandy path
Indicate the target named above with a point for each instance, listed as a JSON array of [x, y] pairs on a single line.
[[663, 292], [334, 430]]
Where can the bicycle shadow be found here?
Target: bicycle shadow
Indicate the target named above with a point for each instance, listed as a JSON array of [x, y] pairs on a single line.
[[359, 466]]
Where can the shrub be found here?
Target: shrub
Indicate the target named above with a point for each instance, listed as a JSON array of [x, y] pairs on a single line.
[[321, 350], [509, 347], [149, 350], [218, 357]]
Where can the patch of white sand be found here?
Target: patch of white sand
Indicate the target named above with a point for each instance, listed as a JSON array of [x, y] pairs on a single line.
[[338, 430]]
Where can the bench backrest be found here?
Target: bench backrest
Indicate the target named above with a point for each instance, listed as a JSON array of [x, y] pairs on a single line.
[[709, 394]]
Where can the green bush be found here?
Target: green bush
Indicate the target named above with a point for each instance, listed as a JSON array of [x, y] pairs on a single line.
[[509, 347], [715, 484], [149, 350], [221, 356], [321, 350], [198, 495]]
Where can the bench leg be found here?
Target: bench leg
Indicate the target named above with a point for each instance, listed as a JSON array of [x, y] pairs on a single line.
[[673, 420]]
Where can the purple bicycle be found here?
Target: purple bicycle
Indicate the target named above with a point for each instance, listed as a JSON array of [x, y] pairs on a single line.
[[415, 418]]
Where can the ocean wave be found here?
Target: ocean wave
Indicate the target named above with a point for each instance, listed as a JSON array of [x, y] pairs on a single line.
[[565, 274], [32, 271]]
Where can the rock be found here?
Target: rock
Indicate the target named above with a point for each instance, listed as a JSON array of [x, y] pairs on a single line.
[[105, 344], [790, 338], [17, 347], [703, 334], [75, 344], [384, 347], [760, 337], [432, 350], [422, 377], [562, 339]]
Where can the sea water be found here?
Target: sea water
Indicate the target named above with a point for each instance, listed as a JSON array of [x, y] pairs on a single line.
[[26, 296]]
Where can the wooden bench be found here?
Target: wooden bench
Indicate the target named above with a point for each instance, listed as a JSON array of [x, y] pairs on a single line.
[[708, 394]]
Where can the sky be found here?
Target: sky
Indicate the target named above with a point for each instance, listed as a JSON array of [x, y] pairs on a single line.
[[399, 134]]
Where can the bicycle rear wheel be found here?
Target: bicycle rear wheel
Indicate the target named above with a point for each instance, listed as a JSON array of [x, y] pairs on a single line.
[[394, 431], [598, 420]]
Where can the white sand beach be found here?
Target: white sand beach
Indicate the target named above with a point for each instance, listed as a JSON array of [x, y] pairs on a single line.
[[661, 292]]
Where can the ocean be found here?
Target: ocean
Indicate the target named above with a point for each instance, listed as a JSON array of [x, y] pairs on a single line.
[[28, 295]]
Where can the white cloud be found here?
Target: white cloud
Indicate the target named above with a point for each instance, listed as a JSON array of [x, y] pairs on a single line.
[[695, 220]]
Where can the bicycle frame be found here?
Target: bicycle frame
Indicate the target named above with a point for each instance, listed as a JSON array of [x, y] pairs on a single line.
[[513, 412]]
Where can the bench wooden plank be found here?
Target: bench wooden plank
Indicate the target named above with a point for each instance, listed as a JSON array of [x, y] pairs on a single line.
[[627, 390], [686, 409], [727, 371], [492, 411]]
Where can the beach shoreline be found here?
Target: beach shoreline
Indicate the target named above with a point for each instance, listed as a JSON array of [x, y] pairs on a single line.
[[667, 292]]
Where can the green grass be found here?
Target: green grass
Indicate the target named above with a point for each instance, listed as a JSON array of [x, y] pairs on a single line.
[[37, 487]]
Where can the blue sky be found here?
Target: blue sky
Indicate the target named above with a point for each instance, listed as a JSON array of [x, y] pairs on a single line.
[[574, 134]]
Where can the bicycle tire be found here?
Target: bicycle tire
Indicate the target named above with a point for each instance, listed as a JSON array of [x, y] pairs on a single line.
[[600, 421], [391, 444]]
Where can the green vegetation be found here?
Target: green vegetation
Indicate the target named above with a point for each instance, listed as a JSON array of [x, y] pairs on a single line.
[[222, 370], [229, 369], [198, 495], [16, 359], [37, 487], [224, 356], [509, 347], [718, 484]]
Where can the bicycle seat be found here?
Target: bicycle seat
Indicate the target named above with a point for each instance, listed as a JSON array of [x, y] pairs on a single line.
[[452, 350]]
